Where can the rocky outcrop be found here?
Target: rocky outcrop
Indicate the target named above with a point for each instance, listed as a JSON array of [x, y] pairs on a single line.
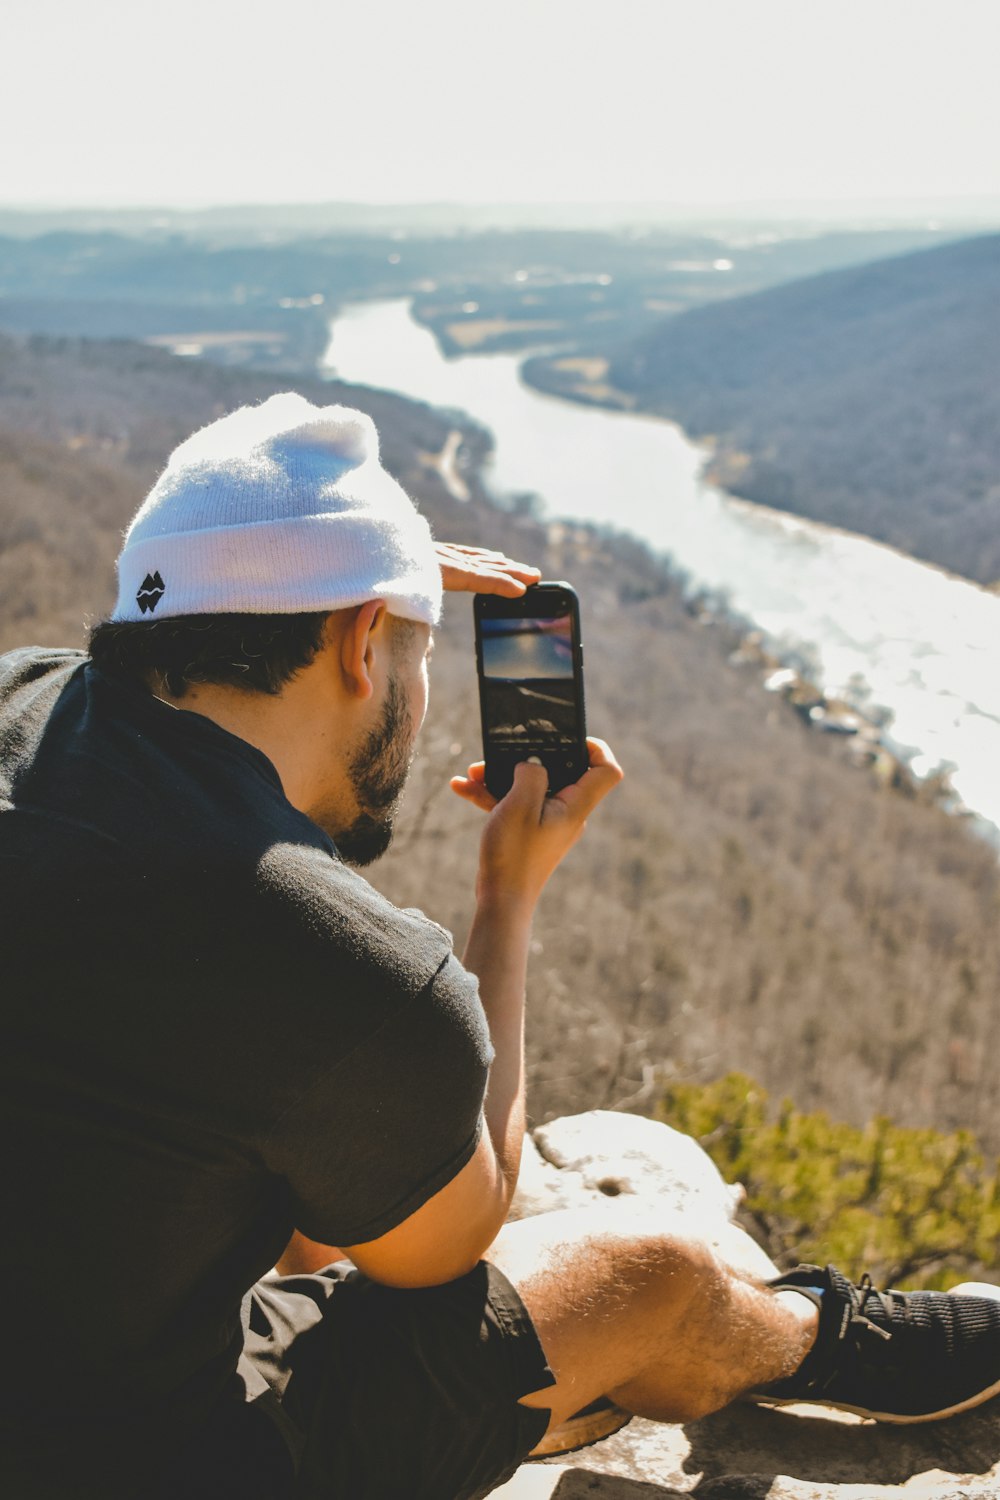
[[745, 1452]]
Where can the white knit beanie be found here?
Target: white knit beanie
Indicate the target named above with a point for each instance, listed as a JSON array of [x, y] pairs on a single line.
[[278, 509]]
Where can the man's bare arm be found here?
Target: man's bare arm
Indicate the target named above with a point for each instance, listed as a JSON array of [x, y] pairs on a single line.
[[526, 837]]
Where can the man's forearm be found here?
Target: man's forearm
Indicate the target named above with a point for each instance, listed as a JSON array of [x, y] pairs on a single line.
[[526, 837], [497, 953]]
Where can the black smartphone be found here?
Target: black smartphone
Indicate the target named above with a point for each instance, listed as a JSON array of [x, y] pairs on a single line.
[[529, 656]]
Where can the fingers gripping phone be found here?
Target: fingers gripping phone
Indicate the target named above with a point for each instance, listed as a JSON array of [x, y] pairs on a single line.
[[529, 656]]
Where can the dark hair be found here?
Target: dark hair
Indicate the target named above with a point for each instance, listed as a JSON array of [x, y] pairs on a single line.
[[258, 653]]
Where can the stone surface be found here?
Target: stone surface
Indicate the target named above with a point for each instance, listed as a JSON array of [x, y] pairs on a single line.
[[745, 1452], [592, 1157]]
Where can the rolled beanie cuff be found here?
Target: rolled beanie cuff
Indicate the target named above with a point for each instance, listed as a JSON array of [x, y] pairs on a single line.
[[331, 561]]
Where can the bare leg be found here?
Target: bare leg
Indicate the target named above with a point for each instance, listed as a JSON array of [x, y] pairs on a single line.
[[670, 1323]]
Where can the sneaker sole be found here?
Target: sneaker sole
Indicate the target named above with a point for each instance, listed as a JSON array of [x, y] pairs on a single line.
[[582, 1430], [883, 1416]]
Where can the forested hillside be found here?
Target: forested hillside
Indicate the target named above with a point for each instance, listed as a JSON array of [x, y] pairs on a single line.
[[868, 398], [749, 898]]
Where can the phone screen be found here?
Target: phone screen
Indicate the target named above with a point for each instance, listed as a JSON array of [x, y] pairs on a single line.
[[532, 696]]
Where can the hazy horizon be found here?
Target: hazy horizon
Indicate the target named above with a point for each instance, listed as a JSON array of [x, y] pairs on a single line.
[[666, 208], [733, 223]]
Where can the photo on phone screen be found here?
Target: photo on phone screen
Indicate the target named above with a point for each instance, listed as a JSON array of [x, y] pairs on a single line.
[[529, 691]]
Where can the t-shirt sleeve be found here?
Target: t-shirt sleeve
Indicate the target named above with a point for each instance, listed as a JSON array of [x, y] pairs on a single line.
[[393, 1120]]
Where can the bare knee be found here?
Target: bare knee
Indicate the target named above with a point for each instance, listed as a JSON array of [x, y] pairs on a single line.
[[609, 1251], [613, 1294], [676, 1266], [676, 1278], [674, 1373]]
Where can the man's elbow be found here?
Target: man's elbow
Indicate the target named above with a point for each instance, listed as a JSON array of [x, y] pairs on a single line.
[[436, 1271], [452, 1249], [449, 1234]]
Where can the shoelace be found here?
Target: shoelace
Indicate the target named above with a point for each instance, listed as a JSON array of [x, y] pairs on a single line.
[[858, 1299]]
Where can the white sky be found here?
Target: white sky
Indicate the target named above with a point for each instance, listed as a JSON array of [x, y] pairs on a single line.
[[224, 101]]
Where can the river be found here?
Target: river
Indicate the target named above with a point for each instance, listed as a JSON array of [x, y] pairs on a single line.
[[876, 626]]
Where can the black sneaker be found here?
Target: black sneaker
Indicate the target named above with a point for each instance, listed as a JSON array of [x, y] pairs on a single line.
[[894, 1356]]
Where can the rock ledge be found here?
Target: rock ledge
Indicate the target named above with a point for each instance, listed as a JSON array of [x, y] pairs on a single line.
[[745, 1452]]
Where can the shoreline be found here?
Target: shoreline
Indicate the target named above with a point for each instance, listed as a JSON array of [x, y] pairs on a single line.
[[840, 711], [720, 467], [865, 729]]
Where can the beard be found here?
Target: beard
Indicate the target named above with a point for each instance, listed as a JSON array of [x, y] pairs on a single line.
[[378, 773]]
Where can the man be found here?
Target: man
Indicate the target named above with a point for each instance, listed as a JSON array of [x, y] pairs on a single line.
[[222, 1042]]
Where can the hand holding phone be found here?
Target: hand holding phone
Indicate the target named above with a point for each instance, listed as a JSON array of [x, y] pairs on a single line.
[[528, 834], [529, 656]]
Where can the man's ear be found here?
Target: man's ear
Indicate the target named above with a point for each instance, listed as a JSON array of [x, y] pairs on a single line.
[[362, 641]]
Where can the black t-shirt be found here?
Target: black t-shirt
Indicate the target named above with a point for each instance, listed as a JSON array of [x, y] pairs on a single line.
[[213, 1032]]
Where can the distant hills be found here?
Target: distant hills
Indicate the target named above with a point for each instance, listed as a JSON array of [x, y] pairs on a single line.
[[868, 398], [263, 298]]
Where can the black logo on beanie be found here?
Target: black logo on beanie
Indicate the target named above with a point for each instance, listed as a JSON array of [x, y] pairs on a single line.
[[151, 591]]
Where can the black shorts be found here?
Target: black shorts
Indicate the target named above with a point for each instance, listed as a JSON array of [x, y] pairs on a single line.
[[380, 1394]]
